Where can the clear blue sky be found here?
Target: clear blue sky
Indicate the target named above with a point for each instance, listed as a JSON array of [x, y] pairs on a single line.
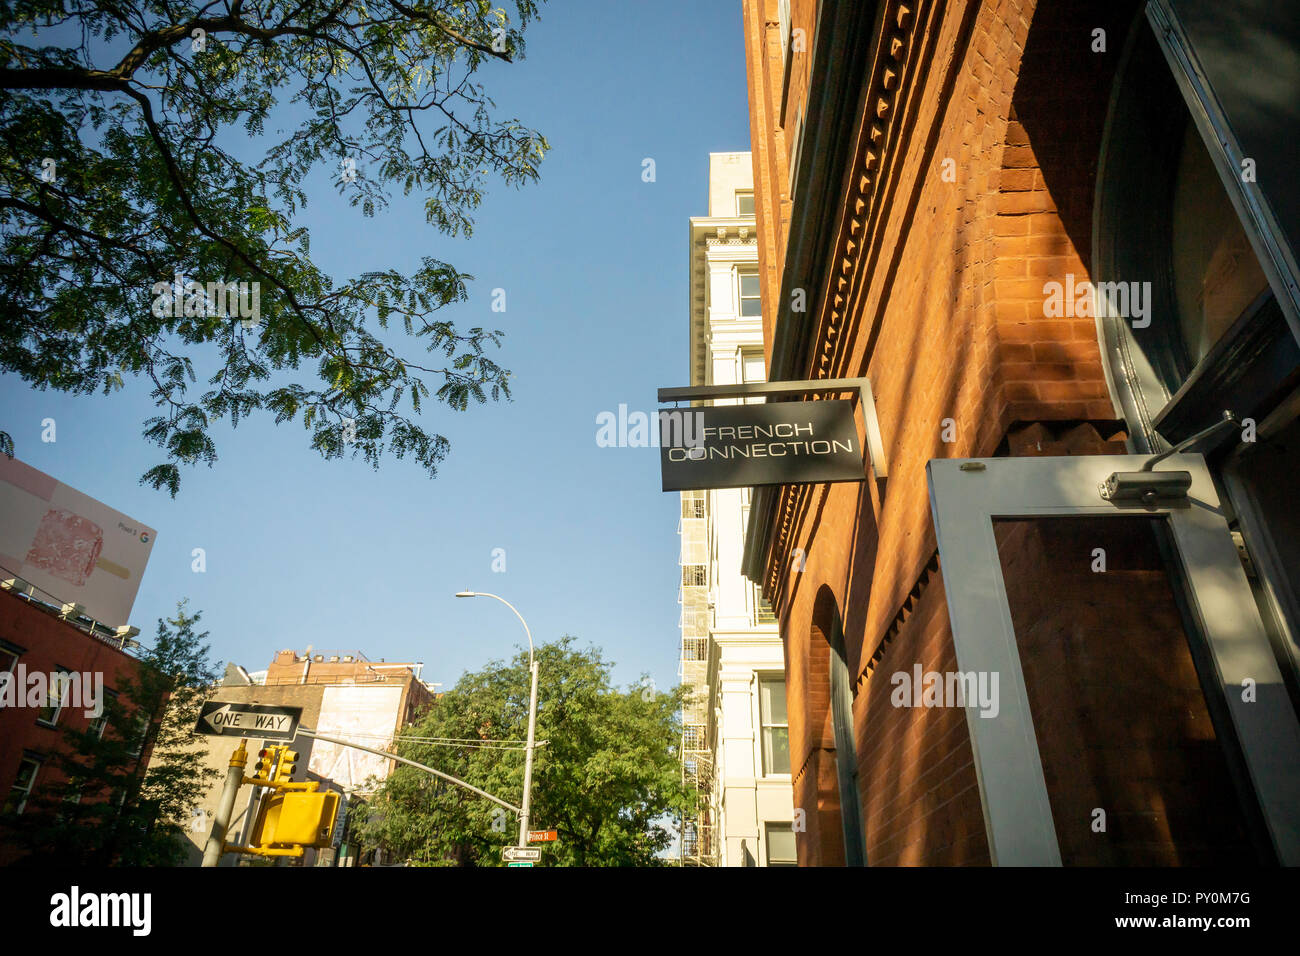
[[594, 263]]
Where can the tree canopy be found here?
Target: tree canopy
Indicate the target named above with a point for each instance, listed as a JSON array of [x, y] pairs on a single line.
[[608, 778], [135, 225]]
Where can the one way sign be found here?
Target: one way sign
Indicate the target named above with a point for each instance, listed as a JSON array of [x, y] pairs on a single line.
[[517, 854], [221, 719]]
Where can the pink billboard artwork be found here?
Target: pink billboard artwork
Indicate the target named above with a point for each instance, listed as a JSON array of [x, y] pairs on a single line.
[[68, 546], [72, 548]]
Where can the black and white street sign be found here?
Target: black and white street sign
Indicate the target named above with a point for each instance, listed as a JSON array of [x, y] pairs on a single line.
[[738, 446], [519, 854], [222, 719]]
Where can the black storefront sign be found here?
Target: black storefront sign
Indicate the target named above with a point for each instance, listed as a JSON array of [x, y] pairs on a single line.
[[739, 446]]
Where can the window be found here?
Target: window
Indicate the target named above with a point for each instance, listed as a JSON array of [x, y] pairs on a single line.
[[694, 576], [57, 693], [16, 802], [1216, 274], [780, 845], [100, 723], [1219, 329], [744, 204], [775, 727], [763, 613], [9, 655], [750, 298], [751, 370], [139, 731], [1210, 334]]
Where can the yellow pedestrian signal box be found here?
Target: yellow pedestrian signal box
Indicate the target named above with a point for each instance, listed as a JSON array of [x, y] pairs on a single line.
[[297, 819]]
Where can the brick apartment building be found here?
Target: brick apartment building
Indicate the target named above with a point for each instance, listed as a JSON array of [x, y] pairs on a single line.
[[342, 694], [923, 171], [36, 638]]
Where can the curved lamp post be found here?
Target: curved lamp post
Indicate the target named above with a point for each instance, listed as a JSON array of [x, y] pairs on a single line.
[[532, 716]]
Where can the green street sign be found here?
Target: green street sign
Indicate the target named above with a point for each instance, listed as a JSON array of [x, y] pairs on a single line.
[[519, 864]]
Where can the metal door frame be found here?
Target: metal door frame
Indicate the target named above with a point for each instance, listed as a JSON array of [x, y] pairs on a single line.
[[965, 496]]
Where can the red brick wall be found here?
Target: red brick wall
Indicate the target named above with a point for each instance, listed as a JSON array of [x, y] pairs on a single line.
[[970, 186], [768, 150], [49, 644], [778, 92], [1121, 720], [915, 765]]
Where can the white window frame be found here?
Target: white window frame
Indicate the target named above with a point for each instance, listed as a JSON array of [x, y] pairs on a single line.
[[749, 269], [27, 793], [756, 607], [762, 677], [63, 693], [768, 827], [743, 193], [965, 496], [748, 353], [13, 651], [100, 723]]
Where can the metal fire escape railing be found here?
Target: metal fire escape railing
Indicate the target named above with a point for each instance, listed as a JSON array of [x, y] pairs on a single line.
[[698, 847]]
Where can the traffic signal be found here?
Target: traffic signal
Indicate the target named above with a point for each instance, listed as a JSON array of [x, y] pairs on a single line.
[[296, 819], [265, 761], [288, 764]]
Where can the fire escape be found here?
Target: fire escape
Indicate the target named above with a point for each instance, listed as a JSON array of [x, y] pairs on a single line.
[[699, 845]]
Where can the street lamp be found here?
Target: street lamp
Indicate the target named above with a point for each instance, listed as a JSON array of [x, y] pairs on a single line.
[[532, 717]]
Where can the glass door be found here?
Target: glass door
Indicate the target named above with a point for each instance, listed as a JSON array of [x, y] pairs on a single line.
[[1139, 716]]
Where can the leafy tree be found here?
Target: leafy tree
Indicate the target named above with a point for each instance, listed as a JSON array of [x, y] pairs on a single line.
[[607, 778], [126, 129], [126, 813]]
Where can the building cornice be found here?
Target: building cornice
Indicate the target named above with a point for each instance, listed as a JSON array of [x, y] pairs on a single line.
[[712, 237], [845, 34], [848, 138]]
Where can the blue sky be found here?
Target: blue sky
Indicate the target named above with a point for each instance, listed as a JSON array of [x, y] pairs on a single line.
[[594, 263]]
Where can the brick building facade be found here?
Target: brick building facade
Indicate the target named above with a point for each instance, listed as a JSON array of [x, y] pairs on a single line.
[[341, 694], [923, 171], [36, 639]]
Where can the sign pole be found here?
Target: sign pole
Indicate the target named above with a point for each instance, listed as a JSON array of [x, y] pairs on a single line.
[[532, 727], [234, 780], [528, 757]]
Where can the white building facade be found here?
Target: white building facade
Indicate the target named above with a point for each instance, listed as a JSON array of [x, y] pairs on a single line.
[[735, 745]]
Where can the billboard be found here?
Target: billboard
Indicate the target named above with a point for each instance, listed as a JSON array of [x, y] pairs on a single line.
[[367, 714], [69, 545], [778, 443]]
